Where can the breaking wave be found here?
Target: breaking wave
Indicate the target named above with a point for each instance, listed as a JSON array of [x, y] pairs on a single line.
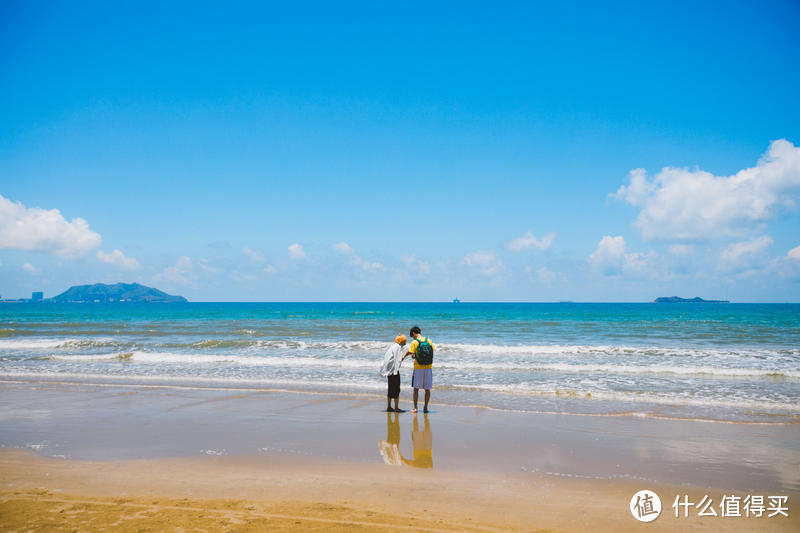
[[371, 364]]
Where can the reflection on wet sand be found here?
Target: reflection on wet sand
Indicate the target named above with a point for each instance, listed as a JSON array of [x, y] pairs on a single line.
[[390, 448], [422, 442]]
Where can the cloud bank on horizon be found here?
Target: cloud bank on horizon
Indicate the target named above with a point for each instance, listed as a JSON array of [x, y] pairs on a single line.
[[708, 227], [681, 204]]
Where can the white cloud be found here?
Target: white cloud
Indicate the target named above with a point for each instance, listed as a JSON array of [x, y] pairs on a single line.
[[178, 273], [296, 251], [342, 248], [643, 265], [484, 262], [530, 241], [638, 188], [681, 249], [118, 258], [545, 275], [205, 267], [742, 250], [684, 204], [613, 258], [242, 277], [44, 230], [255, 256], [29, 268], [371, 265], [416, 265], [787, 266], [260, 259], [609, 254], [345, 249]]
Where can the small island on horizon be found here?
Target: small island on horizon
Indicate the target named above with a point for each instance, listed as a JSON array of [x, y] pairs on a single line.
[[116, 293], [696, 299]]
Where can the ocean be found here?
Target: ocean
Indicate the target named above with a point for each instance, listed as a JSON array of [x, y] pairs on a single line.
[[722, 362]]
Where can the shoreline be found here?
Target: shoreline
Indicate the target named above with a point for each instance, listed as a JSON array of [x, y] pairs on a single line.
[[215, 384], [94, 456]]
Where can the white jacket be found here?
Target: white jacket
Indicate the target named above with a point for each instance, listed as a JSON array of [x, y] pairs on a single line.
[[392, 359]]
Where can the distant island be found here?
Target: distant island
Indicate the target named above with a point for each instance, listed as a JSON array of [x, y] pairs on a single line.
[[678, 299], [118, 292]]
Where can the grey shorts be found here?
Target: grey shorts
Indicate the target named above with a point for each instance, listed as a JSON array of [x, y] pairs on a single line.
[[422, 378]]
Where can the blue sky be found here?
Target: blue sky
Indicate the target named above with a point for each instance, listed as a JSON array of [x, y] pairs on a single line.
[[402, 152]]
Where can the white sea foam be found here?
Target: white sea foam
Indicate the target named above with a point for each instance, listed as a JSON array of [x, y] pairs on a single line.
[[238, 360], [369, 364], [289, 345], [519, 390], [635, 397], [627, 369], [50, 343], [198, 380], [488, 350], [33, 344], [485, 351], [92, 342]]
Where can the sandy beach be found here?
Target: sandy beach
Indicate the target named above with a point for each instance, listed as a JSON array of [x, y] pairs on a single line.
[[231, 232], [92, 456]]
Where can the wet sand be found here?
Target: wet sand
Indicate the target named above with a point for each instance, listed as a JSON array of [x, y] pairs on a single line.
[[93, 456]]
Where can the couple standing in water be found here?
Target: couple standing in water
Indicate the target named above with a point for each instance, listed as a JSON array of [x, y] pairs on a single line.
[[421, 350]]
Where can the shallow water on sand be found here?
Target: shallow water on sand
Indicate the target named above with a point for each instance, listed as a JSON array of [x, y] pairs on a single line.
[[120, 422]]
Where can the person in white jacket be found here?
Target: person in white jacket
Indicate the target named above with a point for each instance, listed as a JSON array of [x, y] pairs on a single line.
[[391, 370]]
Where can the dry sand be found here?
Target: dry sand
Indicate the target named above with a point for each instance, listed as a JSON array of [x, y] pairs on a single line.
[[286, 494]]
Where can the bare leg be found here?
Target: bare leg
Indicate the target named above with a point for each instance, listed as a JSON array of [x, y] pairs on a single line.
[[388, 403], [427, 399], [416, 397], [395, 404]]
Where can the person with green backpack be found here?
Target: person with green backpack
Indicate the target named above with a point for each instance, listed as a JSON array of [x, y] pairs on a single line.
[[421, 350]]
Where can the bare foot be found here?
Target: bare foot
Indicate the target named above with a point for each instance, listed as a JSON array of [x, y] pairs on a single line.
[[414, 410]]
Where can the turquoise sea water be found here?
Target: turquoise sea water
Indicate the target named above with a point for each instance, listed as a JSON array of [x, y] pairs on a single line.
[[738, 362]]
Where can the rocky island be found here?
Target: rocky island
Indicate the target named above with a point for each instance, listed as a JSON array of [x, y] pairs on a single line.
[[696, 299], [118, 292]]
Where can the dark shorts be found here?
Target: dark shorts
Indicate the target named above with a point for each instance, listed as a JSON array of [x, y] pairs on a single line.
[[394, 386]]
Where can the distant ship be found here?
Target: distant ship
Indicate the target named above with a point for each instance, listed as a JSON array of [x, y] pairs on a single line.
[[456, 301]]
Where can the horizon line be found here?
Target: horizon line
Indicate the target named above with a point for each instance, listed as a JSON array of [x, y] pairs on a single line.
[[450, 302]]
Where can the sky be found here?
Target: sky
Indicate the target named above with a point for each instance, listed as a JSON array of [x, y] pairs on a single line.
[[402, 152]]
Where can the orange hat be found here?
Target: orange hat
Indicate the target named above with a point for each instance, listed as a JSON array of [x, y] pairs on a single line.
[[400, 339]]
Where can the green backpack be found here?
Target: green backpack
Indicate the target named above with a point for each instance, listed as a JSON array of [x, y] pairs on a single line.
[[425, 352]]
